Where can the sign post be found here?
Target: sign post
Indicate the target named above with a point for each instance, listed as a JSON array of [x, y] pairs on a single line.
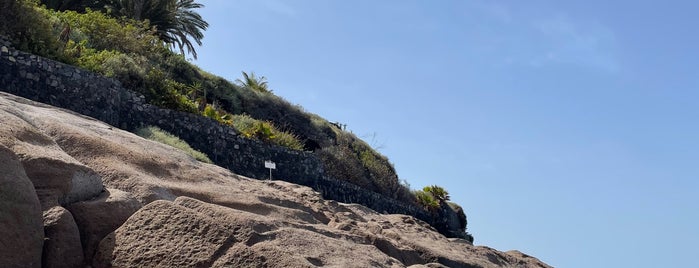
[[270, 165]]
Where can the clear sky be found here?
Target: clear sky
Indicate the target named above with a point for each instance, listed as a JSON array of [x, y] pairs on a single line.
[[566, 129]]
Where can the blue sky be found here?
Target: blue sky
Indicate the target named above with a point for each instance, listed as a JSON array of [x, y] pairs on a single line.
[[566, 129]]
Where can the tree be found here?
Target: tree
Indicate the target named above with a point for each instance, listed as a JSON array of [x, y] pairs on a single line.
[[187, 24], [426, 199], [438, 192], [253, 82], [176, 22]]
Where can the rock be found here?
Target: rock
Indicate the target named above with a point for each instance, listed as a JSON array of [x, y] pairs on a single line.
[[98, 217], [57, 177], [62, 246], [165, 235], [191, 233], [200, 215], [61, 182], [21, 228]]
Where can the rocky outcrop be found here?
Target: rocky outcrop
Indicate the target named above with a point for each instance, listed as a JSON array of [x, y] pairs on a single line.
[[163, 208], [189, 233], [21, 228], [98, 217], [62, 246], [57, 177]]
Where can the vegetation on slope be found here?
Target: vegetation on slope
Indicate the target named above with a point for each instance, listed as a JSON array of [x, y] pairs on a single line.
[[133, 41], [162, 136]]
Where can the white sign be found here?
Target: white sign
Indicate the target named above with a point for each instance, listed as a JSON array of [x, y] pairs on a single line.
[[270, 165]]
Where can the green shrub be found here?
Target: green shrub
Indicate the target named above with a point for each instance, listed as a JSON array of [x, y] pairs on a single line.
[[177, 67], [159, 135], [426, 200], [287, 139], [265, 131], [107, 33], [438, 192], [164, 92], [88, 58], [341, 163], [129, 69], [30, 28], [352, 160], [219, 115]]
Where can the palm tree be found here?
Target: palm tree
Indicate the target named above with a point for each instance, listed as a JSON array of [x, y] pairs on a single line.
[[437, 192], [253, 82], [188, 23], [176, 22]]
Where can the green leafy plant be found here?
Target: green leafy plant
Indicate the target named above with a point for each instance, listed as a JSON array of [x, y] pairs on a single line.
[[29, 27], [159, 135], [265, 131], [107, 33], [176, 22], [426, 200], [165, 92], [220, 116], [437, 192], [253, 82], [433, 196]]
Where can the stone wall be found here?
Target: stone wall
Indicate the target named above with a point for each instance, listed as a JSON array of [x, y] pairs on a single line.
[[90, 94]]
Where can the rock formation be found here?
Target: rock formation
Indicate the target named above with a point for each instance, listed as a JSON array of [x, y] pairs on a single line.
[[111, 199]]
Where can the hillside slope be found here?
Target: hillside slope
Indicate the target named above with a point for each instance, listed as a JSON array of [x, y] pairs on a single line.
[[107, 197]]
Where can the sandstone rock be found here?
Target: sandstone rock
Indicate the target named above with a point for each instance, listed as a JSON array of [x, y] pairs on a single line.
[[21, 228], [62, 244], [98, 217]]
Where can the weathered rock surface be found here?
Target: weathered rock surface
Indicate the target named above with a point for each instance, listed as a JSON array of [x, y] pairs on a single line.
[[21, 228], [201, 215], [57, 177], [98, 217], [62, 246]]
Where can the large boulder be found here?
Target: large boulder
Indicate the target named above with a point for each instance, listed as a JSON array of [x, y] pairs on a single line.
[[21, 228], [98, 217], [57, 177], [62, 247], [191, 233]]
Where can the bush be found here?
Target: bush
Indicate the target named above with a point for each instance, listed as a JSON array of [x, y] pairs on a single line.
[[159, 135], [29, 28], [106, 33], [265, 131], [438, 192], [341, 163], [426, 200], [221, 116], [352, 160], [164, 92]]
